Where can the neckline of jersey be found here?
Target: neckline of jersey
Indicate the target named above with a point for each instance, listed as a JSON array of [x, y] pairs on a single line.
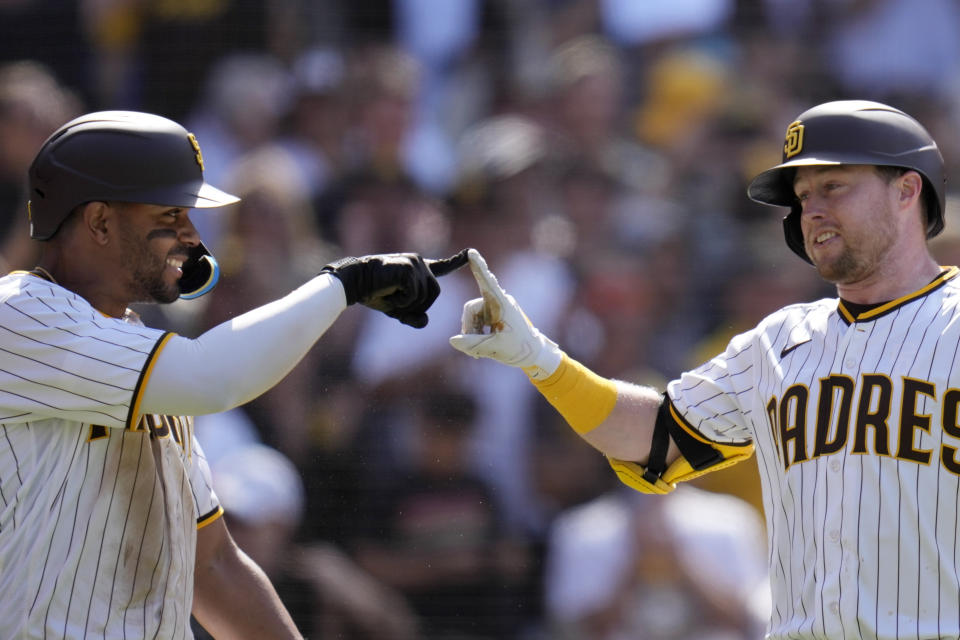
[[40, 272], [851, 312], [43, 274]]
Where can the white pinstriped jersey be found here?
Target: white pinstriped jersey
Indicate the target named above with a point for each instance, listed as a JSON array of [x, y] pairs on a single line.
[[99, 508], [856, 425]]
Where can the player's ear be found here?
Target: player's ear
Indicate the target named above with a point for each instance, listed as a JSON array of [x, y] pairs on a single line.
[[93, 218], [909, 186]]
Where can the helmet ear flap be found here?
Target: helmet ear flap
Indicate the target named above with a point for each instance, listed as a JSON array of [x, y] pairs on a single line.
[[794, 234], [200, 273], [935, 216]]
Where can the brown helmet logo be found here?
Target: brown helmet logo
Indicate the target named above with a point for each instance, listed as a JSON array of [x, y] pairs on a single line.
[[793, 143], [196, 148]]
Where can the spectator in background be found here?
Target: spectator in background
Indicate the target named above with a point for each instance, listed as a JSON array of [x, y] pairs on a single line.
[[563, 474], [269, 243], [443, 39], [182, 45], [382, 90], [33, 103], [584, 112], [500, 196], [894, 49], [244, 98], [377, 195], [633, 24], [435, 532], [466, 51], [325, 592], [615, 312], [113, 29], [618, 189], [314, 125], [629, 565], [366, 208], [503, 186], [270, 237], [686, 87], [48, 33], [689, 233]]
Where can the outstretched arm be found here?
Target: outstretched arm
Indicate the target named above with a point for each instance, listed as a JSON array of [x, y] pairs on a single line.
[[627, 430], [647, 443], [615, 417], [241, 358]]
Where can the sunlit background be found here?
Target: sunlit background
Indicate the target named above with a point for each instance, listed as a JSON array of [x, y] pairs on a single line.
[[597, 153]]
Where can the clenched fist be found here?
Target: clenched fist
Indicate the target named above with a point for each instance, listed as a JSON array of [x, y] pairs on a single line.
[[401, 285]]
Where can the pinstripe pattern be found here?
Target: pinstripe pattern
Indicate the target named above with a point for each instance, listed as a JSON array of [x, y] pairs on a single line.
[[97, 534], [856, 423]]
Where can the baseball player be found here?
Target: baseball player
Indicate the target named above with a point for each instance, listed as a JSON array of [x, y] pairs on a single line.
[[109, 527], [851, 404]]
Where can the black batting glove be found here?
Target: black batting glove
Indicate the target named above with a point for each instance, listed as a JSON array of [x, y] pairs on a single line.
[[401, 285]]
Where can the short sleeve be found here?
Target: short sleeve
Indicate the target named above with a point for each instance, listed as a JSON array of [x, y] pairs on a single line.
[[711, 398], [61, 358], [205, 498]]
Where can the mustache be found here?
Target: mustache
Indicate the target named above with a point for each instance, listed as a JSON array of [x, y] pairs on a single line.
[[180, 250], [161, 233]]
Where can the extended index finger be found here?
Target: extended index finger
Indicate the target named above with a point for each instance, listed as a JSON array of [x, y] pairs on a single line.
[[481, 273], [494, 297], [447, 265]]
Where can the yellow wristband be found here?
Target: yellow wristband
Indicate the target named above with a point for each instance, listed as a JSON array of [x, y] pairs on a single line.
[[582, 397]]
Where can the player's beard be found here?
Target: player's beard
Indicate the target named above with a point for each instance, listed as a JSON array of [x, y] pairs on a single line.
[[145, 270], [861, 256]]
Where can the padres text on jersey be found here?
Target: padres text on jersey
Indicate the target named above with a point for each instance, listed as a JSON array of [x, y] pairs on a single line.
[[857, 425]]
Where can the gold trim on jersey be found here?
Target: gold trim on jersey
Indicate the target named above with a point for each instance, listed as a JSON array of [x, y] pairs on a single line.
[[634, 475], [209, 518], [43, 273], [35, 272], [692, 431], [731, 452], [876, 312], [134, 416]]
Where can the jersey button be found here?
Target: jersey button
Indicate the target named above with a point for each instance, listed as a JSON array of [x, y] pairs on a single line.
[[834, 535], [850, 363]]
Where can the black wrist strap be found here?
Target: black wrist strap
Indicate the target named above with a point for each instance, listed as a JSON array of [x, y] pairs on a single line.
[[659, 444]]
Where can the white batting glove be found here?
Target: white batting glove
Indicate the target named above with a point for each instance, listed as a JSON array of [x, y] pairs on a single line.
[[493, 326]]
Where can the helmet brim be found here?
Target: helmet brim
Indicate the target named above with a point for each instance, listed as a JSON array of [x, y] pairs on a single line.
[[192, 195], [775, 185], [209, 196]]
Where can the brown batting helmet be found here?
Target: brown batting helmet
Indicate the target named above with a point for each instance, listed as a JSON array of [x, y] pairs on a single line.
[[123, 156], [852, 132]]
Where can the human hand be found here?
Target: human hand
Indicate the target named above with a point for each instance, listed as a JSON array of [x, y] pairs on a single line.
[[401, 285], [494, 326]]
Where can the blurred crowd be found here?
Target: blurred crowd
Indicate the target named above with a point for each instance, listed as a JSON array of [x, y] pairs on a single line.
[[596, 152]]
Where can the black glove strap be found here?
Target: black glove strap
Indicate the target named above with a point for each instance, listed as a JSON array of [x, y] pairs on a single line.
[[346, 270]]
